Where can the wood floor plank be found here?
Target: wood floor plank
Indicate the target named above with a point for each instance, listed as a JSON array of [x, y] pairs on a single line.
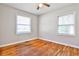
[[38, 47]]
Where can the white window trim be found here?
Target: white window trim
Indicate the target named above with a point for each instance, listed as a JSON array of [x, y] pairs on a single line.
[[67, 24]]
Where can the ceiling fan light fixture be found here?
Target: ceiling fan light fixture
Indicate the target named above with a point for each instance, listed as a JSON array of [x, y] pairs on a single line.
[[43, 5], [40, 5]]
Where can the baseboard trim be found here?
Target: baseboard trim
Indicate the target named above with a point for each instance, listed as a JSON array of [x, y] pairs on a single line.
[[74, 46], [4, 45]]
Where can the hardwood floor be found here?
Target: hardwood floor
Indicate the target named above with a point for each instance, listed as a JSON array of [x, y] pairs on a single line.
[[38, 47]]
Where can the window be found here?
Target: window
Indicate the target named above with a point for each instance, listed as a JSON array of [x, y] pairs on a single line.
[[66, 24], [23, 25]]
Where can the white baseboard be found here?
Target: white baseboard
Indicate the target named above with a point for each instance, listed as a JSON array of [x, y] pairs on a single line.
[[61, 43], [4, 45]]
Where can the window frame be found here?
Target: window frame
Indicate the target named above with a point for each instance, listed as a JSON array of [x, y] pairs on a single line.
[[61, 34], [19, 24]]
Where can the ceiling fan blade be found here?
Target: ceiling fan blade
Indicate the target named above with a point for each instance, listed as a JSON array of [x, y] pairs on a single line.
[[46, 4], [38, 8]]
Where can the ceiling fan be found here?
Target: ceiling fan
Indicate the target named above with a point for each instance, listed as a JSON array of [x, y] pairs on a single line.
[[42, 5]]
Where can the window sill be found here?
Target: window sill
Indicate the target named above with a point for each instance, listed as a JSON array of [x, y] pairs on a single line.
[[23, 33], [65, 35]]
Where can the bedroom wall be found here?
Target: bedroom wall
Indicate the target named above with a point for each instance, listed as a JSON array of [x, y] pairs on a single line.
[[8, 25], [48, 25]]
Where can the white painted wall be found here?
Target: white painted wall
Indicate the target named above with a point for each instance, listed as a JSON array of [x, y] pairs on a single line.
[[8, 25], [48, 25]]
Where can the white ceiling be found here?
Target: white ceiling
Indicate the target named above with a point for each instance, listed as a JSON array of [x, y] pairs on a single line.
[[32, 7]]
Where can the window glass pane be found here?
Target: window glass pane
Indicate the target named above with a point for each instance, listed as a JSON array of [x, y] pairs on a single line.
[[66, 30], [66, 19], [23, 29], [72, 30], [62, 30], [23, 20]]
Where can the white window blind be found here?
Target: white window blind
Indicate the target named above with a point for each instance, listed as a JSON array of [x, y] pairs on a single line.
[[23, 25], [66, 24]]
